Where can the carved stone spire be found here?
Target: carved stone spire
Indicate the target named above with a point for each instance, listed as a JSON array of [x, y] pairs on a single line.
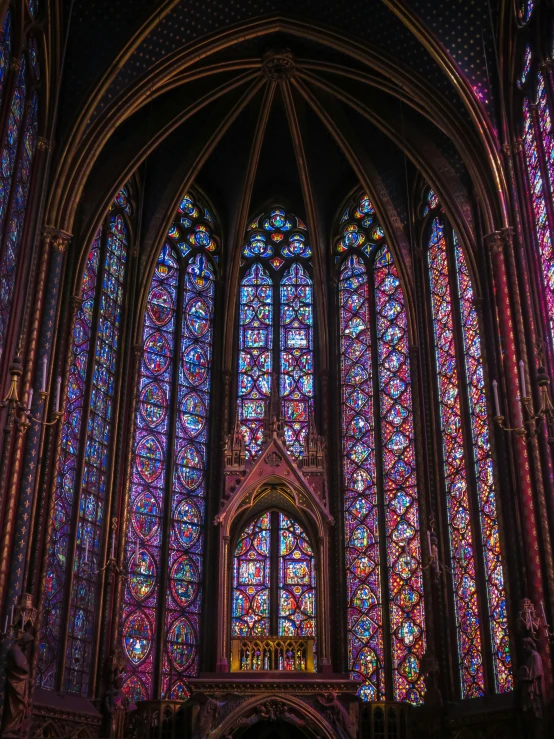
[[235, 449], [312, 457]]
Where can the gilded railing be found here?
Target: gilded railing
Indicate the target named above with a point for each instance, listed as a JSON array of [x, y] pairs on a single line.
[[272, 653]]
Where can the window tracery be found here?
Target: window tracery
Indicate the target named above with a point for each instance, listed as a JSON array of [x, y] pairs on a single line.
[[165, 536]]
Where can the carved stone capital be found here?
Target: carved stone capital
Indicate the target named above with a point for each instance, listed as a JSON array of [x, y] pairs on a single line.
[[57, 238], [15, 64], [76, 302], [517, 146]]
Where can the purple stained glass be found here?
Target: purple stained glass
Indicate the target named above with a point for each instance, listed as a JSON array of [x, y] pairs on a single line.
[[149, 475], [173, 408], [363, 565], [255, 354], [402, 529], [184, 596], [468, 622], [251, 580], [97, 444], [16, 219], [297, 356], [486, 489]]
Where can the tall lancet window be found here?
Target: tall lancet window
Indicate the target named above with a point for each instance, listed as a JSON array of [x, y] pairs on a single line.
[[538, 140], [17, 156], [386, 616], [470, 489], [276, 329], [161, 617], [79, 515]]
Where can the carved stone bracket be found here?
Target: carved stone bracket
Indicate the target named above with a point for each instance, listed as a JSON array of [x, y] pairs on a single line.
[[278, 66]]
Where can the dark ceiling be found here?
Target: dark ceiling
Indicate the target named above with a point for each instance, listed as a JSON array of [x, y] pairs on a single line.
[[99, 30]]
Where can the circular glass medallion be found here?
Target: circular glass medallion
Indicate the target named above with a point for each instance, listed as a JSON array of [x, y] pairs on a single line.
[[137, 637], [181, 644], [145, 515], [198, 316], [184, 581], [195, 365], [190, 466], [187, 523]]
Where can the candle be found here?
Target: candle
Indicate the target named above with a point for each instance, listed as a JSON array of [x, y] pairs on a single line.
[[496, 401], [6, 625], [522, 379], [44, 370], [545, 622], [58, 391], [86, 550], [429, 543], [11, 615], [29, 399], [112, 555]]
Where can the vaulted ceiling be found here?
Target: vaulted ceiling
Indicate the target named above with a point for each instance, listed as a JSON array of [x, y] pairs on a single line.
[[186, 92]]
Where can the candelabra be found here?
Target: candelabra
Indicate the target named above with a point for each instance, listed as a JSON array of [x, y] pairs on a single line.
[[21, 412], [532, 420], [22, 617]]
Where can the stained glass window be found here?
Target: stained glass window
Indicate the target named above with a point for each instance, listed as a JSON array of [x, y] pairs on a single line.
[[296, 596], [377, 415], [525, 10], [251, 580], [16, 218], [17, 154], [461, 387], [539, 193], [468, 630], [5, 51], [255, 354], [262, 606], [297, 353], [87, 433], [276, 328], [171, 424]]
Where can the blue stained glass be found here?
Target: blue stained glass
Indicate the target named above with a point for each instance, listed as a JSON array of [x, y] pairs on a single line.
[[102, 286], [5, 50], [297, 360]]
